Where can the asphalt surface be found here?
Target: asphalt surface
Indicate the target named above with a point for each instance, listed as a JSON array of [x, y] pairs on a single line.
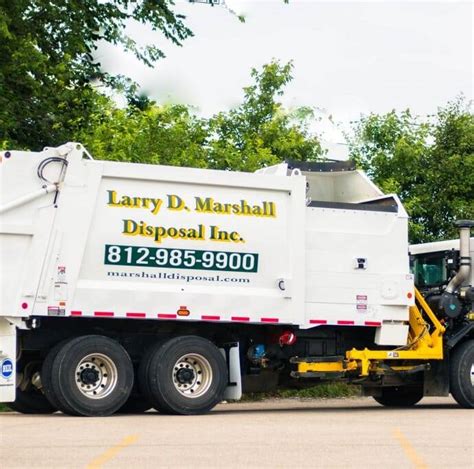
[[355, 433]]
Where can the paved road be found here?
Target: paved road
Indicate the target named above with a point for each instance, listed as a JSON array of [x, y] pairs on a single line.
[[352, 433]]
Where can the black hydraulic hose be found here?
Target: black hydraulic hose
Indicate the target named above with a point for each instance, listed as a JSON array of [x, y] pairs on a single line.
[[46, 162], [42, 166]]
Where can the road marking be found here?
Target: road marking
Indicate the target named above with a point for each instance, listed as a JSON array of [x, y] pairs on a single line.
[[109, 454], [409, 450]]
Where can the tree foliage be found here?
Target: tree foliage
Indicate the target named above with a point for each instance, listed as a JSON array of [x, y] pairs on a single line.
[[428, 163], [168, 135], [257, 133], [261, 132], [48, 68]]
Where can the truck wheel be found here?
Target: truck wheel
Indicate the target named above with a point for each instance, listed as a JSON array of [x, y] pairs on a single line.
[[402, 396], [92, 376], [46, 370], [143, 373], [186, 375], [31, 402], [462, 374]]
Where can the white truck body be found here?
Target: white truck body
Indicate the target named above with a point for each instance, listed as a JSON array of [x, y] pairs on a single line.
[[135, 241]]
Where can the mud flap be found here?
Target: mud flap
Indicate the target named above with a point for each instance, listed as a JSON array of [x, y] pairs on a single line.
[[231, 353], [436, 382]]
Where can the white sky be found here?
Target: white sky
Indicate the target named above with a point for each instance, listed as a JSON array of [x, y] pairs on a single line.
[[349, 57]]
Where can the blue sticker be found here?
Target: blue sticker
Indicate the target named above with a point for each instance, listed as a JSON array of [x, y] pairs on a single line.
[[6, 368]]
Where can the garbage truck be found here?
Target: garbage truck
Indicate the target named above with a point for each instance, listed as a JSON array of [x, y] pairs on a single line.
[[126, 287]]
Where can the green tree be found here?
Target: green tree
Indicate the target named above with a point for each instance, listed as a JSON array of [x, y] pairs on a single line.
[[450, 169], [47, 64], [259, 132], [428, 163], [168, 135]]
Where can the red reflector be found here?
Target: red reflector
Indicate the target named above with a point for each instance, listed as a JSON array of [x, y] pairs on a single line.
[[287, 338]]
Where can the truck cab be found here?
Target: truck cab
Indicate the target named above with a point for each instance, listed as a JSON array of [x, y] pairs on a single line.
[[433, 264]]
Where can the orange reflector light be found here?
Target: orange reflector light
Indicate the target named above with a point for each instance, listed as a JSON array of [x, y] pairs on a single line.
[[183, 311]]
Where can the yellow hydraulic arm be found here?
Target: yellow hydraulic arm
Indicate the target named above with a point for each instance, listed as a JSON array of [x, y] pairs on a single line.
[[422, 346]]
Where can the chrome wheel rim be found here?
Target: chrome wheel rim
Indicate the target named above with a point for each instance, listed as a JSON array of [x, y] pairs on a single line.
[[96, 376], [192, 375], [472, 374]]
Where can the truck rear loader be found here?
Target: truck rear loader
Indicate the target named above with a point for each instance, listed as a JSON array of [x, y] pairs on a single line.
[[130, 286]]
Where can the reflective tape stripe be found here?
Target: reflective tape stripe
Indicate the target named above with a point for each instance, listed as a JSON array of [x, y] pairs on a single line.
[[240, 318], [166, 316], [135, 315], [104, 314]]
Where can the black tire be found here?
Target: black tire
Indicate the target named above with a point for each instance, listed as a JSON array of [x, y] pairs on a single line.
[[31, 401], [142, 374], [200, 367], [462, 374], [402, 396], [88, 367], [46, 370], [136, 404], [54, 390]]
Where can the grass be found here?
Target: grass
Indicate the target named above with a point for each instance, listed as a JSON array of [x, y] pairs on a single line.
[[330, 390], [4, 408]]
